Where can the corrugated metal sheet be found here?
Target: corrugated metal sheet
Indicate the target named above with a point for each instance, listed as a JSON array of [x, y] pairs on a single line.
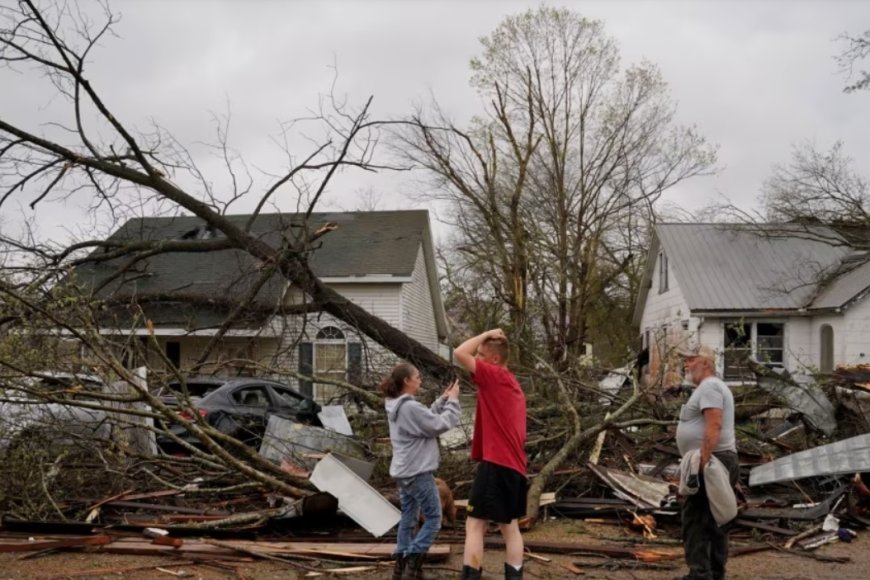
[[844, 288], [843, 457], [739, 267]]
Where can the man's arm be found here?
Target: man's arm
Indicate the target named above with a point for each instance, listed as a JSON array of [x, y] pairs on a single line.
[[465, 352], [712, 431]]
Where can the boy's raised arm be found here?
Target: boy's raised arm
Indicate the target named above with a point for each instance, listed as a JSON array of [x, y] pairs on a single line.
[[466, 352]]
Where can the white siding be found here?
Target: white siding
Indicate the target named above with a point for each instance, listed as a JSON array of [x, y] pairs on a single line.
[[381, 299], [852, 343], [418, 313], [667, 324], [665, 308], [799, 344], [815, 337], [711, 333]]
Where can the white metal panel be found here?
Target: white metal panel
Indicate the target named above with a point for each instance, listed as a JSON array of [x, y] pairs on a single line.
[[360, 501]]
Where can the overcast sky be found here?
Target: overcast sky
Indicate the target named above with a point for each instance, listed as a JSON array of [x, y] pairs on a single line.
[[754, 76]]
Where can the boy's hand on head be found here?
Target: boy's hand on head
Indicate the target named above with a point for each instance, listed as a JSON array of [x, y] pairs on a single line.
[[496, 333]]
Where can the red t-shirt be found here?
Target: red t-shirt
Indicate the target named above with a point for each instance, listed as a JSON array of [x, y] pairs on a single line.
[[500, 418]]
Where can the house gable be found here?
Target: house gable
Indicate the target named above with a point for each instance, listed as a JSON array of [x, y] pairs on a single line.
[[418, 312]]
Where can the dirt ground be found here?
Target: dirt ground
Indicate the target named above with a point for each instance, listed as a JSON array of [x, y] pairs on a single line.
[[768, 565]]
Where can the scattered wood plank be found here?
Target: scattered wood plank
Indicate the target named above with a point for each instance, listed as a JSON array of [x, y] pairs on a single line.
[[189, 550], [342, 571], [168, 541], [117, 571], [25, 546], [529, 554], [110, 499], [348, 550], [150, 495], [176, 573], [260, 554], [165, 508], [765, 527], [625, 552]]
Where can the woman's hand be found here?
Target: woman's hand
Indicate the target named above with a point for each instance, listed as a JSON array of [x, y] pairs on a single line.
[[452, 392]]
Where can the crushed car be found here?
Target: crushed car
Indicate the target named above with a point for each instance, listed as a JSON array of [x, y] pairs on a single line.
[[239, 407]]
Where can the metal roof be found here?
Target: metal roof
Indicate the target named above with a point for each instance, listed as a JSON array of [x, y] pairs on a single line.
[[845, 287], [749, 267]]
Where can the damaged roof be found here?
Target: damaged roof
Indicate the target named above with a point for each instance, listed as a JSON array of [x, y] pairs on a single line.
[[773, 267], [382, 244]]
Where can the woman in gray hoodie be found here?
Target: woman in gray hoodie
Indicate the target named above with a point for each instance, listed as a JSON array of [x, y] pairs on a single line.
[[414, 430]]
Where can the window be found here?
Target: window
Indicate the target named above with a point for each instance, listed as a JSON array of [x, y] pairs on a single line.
[[663, 273], [290, 399], [330, 333], [738, 347], [765, 341], [330, 360], [826, 350], [173, 353], [770, 338], [251, 397]]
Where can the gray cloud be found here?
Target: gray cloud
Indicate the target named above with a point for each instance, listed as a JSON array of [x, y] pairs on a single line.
[[754, 77]]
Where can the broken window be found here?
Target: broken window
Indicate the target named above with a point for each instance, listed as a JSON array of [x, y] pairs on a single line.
[[738, 348], [765, 341]]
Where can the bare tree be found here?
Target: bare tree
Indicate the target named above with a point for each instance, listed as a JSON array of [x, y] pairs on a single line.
[[568, 150], [857, 49], [817, 187], [100, 155]]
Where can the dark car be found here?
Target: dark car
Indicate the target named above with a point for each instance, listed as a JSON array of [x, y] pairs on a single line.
[[239, 407]]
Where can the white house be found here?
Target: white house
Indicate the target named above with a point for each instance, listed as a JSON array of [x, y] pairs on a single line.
[[382, 261], [787, 295]]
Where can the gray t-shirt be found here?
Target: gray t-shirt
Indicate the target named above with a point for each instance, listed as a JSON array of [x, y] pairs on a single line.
[[712, 393]]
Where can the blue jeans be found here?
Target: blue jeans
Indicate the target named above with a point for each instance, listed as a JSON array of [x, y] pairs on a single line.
[[418, 493]]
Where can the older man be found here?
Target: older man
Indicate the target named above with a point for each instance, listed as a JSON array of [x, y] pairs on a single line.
[[707, 424]]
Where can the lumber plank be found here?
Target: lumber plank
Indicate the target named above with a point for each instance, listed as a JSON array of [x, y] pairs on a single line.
[[25, 546]]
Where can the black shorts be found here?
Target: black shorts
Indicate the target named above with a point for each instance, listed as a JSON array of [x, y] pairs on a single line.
[[498, 494]]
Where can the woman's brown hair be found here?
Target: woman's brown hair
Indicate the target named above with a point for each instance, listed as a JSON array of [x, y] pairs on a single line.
[[392, 385]]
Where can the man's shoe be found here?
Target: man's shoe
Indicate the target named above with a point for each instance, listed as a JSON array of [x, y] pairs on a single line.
[[413, 567], [511, 573], [469, 573], [401, 562]]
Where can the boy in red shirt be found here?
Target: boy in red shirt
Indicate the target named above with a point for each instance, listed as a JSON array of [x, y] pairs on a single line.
[[499, 445]]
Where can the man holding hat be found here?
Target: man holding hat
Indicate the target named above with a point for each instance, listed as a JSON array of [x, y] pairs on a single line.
[[706, 424]]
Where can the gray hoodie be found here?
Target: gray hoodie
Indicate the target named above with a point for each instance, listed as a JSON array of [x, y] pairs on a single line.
[[413, 432]]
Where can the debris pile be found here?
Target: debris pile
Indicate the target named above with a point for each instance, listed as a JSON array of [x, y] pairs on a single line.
[[805, 483]]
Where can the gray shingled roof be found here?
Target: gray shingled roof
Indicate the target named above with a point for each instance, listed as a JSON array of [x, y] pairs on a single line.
[[734, 267], [365, 243]]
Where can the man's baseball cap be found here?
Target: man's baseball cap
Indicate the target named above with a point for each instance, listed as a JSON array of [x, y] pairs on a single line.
[[697, 351]]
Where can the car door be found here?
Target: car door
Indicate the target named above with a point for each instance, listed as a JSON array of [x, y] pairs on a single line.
[[251, 405], [292, 405]]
